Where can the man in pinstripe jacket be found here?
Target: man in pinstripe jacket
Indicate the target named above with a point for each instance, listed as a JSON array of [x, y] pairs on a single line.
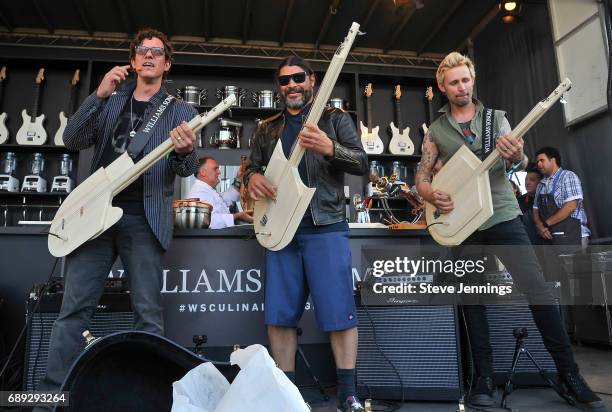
[[108, 119]]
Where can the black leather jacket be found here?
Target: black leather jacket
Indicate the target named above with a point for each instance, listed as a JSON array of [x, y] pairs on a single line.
[[325, 174]]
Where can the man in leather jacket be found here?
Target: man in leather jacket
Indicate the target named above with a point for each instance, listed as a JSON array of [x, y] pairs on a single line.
[[318, 260]]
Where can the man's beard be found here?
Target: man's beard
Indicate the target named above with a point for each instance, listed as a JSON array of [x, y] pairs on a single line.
[[462, 101], [297, 103]]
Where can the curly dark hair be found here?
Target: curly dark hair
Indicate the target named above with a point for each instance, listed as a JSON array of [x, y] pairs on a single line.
[[149, 33]]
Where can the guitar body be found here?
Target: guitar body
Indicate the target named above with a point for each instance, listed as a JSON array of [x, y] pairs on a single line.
[[275, 222], [400, 143], [370, 140], [31, 133], [58, 139], [468, 186], [4, 133], [88, 211]]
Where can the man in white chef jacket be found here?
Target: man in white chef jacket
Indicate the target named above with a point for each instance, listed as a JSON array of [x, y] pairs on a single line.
[[207, 179]]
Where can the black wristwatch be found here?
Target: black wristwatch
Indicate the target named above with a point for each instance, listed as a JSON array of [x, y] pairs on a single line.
[[546, 225]]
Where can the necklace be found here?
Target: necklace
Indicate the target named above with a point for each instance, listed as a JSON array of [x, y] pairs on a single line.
[[133, 132]]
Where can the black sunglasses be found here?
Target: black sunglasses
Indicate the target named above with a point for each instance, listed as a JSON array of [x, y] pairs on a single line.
[[297, 78], [155, 51]]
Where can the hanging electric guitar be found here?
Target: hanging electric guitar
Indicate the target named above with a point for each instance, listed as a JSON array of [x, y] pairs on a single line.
[[62, 117], [369, 136], [430, 115], [4, 135], [276, 221], [32, 132], [88, 210], [466, 179], [400, 143]]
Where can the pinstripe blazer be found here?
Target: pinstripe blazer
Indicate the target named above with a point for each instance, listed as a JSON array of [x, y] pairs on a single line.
[[93, 124]]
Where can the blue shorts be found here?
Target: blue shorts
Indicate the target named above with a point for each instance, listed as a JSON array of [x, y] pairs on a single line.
[[319, 264]]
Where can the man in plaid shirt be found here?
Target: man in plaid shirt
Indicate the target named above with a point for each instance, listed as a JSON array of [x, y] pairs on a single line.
[[559, 213]]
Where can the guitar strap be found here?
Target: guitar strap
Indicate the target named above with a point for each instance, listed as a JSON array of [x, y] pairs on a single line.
[[146, 131], [488, 139]]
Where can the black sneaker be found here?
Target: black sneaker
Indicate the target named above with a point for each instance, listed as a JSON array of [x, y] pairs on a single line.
[[483, 392], [574, 385], [351, 404]]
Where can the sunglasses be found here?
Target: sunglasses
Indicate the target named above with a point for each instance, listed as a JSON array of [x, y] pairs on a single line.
[[155, 51], [297, 78]]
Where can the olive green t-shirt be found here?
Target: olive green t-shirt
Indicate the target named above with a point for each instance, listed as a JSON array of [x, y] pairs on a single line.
[[449, 137]]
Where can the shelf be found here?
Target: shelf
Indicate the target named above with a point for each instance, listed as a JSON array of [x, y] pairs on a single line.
[[33, 194], [32, 148], [241, 111], [249, 111], [416, 158]]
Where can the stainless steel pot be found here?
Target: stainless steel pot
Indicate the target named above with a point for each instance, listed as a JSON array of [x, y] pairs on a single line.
[[226, 138], [265, 99], [232, 90], [338, 103], [192, 94], [191, 213]]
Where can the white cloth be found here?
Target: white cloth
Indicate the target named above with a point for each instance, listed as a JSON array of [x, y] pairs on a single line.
[[221, 202]]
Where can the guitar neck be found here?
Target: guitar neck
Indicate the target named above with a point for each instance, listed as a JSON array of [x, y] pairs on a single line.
[[369, 113], [325, 90], [34, 108], [166, 147], [72, 101], [1, 93], [430, 111], [519, 131], [398, 115]]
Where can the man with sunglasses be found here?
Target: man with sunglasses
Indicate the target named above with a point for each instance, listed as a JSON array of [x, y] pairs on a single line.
[[318, 260], [108, 120]]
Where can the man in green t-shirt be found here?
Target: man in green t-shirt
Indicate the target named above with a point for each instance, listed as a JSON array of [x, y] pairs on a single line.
[[461, 124]]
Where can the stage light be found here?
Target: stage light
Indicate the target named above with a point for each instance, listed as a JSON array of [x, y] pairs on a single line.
[[510, 10]]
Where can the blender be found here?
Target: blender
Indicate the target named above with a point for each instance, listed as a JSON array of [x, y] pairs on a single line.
[[34, 182], [63, 182], [8, 165]]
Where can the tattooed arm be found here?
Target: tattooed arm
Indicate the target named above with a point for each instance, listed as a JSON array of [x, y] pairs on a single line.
[[424, 174]]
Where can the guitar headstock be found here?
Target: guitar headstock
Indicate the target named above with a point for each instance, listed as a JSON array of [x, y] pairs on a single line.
[[429, 94], [40, 76], [76, 77], [397, 93], [368, 90], [345, 46], [2, 73], [556, 94]]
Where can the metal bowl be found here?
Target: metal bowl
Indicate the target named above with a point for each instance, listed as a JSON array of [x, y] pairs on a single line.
[[191, 214]]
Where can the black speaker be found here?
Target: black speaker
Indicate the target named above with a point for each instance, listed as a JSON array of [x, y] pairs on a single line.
[[409, 352], [114, 314]]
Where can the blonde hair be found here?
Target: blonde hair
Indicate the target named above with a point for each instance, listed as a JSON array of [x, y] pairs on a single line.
[[452, 60]]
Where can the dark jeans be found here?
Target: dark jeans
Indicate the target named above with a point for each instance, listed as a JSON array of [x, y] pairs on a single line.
[[522, 263], [86, 271]]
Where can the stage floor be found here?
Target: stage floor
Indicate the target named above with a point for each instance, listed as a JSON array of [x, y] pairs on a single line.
[[595, 364]]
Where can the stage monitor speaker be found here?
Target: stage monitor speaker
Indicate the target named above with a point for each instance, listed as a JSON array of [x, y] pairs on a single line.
[[409, 352], [114, 314]]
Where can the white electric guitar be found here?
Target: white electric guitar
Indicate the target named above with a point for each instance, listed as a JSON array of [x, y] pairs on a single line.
[[88, 211], [57, 139], [276, 221], [400, 143], [369, 135], [4, 134], [466, 179], [32, 132]]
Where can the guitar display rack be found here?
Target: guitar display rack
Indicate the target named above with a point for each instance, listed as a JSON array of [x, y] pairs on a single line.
[[22, 69]]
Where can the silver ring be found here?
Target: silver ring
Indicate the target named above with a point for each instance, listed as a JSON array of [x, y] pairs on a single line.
[[179, 138]]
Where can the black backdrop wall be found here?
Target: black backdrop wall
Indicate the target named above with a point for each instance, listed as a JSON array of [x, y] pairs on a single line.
[[515, 67]]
